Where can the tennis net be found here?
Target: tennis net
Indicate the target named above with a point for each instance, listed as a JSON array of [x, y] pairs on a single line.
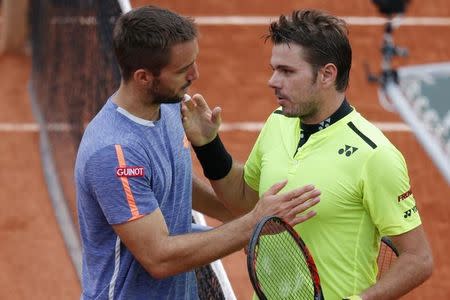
[[73, 73]]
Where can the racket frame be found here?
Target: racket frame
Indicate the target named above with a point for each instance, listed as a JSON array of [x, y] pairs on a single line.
[[386, 255], [390, 244], [318, 295]]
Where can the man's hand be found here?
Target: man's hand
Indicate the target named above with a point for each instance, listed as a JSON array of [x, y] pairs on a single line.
[[200, 123], [289, 205]]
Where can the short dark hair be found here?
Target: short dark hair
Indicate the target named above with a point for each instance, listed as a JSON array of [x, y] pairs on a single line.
[[323, 37], [144, 36]]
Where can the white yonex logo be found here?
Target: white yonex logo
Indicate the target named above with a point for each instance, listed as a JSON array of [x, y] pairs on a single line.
[[325, 124]]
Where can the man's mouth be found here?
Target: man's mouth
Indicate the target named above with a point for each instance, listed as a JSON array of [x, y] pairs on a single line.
[[186, 85], [280, 96]]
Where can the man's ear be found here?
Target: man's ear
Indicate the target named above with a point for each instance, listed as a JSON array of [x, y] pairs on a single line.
[[143, 77], [327, 75]]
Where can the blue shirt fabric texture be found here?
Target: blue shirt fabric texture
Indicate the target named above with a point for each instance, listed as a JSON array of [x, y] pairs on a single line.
[[126, 168]]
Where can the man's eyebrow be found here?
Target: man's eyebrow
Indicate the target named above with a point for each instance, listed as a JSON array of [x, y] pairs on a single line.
[[281, 67], [186, 66]]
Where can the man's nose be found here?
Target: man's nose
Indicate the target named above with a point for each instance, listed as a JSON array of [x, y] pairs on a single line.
[[273, 81], [193, 73]]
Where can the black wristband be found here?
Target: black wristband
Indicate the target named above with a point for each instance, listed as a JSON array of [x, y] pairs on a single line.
[[214, 158]]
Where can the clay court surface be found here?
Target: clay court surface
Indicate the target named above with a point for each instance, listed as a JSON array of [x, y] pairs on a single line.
[[234, 69]]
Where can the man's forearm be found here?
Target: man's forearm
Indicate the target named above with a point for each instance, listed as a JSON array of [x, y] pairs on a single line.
[[226, 176], [162, 254], [232, 191], [408, 272], [185, 252], [205, 200]]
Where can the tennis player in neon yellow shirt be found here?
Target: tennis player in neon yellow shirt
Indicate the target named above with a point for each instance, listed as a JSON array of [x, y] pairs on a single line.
[[316, 137]]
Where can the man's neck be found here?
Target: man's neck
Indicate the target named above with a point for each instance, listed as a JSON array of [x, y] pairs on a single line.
[[327, 108], [306, 130], [343, 110], [136, 103]]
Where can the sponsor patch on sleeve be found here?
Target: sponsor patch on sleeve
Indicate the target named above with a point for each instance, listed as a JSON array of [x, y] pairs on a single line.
[[130, 171], [404, 195]]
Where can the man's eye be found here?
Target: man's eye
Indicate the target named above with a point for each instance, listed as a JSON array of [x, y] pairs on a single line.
[[285, 71]]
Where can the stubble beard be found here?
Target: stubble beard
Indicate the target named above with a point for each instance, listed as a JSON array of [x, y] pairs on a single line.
[[304, 110], [161, 95]]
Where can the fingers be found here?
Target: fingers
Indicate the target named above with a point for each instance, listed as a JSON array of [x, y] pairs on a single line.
[[274, 189], [298, 192], [185, 108], [186, 98], [303, 202], [200, 101], [301, 218], [216, 117], [301, 205], [307, 196], [293, 204], [188, 102]]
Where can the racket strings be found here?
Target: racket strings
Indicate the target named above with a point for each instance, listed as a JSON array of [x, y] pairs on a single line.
[[386, 258], [281, 266]]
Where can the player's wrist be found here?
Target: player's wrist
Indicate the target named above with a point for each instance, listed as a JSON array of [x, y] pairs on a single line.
[[198, 140], [214, 158]]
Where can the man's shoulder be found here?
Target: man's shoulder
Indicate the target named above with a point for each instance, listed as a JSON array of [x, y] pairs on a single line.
[[105, 133], [368, 131], [376, 146]]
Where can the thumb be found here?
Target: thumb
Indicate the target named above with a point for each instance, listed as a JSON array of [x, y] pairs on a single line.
[[216, 116], [274, 189], [188, 103]]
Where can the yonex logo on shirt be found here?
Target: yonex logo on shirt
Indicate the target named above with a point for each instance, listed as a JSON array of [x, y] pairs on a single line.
[[130, 171], [324, 124], [348, 150], [409, 212]]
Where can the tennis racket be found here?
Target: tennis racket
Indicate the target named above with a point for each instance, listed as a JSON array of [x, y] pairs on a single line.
[[280, 265], [387, 255]]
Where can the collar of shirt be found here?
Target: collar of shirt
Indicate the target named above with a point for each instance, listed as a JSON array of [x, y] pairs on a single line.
[[308, 129]]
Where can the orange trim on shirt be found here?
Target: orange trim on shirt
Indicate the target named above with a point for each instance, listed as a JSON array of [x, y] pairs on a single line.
[[126, 186]]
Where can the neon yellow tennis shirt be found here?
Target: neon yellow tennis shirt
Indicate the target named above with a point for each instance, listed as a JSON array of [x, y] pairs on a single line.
[[365, 189]]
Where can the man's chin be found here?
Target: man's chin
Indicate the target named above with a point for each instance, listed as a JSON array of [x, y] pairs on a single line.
[[288, 113], [171, 100]]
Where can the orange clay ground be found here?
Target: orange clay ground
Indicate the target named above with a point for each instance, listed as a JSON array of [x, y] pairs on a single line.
[[234, 71]]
